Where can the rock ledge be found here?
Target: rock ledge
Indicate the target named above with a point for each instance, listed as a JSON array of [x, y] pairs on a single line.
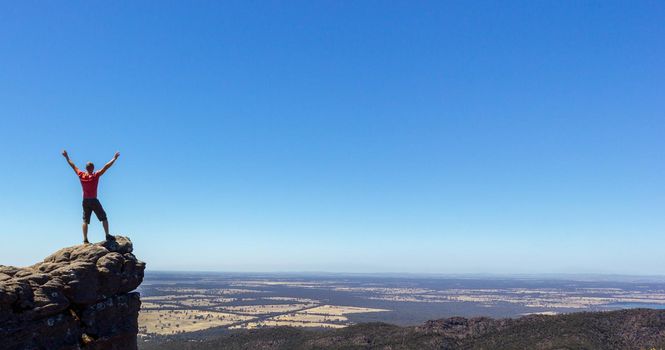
[[78, 298]]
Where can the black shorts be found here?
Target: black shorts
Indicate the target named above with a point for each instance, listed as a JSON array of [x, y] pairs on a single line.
[[90, 205]]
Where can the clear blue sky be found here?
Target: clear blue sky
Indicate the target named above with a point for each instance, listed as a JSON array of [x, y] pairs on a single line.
[[366, 136]]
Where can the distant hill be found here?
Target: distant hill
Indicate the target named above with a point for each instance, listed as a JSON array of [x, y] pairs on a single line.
[[625, 329]]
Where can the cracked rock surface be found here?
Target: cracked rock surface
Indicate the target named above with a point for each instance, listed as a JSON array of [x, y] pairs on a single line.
[[80, 297]]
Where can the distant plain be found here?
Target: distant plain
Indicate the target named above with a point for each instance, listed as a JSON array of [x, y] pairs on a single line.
[[191, 305]]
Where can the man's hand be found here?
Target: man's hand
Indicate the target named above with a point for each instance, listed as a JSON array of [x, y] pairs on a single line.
[[71, 164], [117, 154]]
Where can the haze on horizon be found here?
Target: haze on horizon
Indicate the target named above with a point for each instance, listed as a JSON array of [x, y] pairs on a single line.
[[430, 137]]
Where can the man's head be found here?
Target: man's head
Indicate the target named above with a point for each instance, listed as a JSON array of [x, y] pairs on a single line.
[[90, 167]]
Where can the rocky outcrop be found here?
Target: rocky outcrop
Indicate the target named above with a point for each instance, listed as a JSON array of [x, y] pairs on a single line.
[[461, 327], [78, 298]]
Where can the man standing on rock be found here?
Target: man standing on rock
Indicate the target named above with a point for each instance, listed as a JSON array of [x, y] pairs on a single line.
[[89, 181]]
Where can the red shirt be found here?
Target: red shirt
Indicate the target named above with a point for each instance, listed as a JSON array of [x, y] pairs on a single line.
[[89, 183]]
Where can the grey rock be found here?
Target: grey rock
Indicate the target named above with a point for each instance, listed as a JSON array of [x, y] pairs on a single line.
[[78, 298]]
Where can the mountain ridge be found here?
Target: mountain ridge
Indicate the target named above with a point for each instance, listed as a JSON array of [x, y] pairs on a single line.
[[623, 329]]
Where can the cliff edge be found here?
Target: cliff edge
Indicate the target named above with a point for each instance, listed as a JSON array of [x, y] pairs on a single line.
[[78, 298]]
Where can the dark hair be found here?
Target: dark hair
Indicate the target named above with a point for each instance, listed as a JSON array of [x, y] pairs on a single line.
[[89, 166]]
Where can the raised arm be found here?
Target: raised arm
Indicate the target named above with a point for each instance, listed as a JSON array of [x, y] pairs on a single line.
[[69, 161], [108, 165]]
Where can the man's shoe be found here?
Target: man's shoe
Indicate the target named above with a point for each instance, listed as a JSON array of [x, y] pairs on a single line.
[[86, 241], [110, 238]]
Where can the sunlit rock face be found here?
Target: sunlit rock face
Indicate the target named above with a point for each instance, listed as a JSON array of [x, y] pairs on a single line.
[[78, 298]]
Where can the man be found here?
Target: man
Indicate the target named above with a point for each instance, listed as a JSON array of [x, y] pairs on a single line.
[[89, 181]]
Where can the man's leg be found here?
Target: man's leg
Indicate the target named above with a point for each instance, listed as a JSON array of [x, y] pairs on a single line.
[[101, 215], [105, 223], [85, 232], [87, 211]]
